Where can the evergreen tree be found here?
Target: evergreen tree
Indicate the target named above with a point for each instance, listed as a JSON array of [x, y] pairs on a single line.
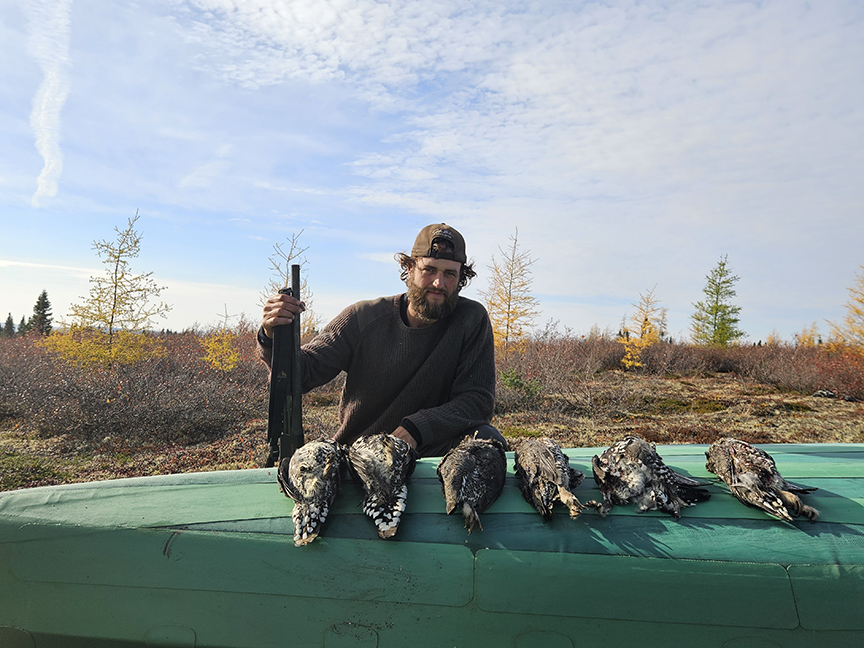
[[715, 322], [512, 308], [22, 326], [9, 327], [41, 320]]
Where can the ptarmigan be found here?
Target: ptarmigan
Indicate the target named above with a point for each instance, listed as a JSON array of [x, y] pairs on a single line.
[[311, 479], [472, 474], [545, 476], [383, 463], [632, 471], [752, 476]]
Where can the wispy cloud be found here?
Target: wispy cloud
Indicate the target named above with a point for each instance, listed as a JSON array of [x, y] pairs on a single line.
[[48, 44], [73, 270], [562, 100], [203, 176], [378, 257], [632, 142]]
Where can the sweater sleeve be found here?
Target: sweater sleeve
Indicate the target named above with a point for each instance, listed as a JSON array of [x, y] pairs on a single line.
[[326, 355], [471, 400]]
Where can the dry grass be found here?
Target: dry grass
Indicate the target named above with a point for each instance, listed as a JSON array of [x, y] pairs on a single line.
[[176, 415], [666, 410], [698, 410]]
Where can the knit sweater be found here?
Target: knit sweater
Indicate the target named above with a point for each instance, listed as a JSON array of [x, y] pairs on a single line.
[[436, 381]]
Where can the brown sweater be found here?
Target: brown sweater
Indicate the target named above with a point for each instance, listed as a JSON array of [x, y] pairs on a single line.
[[437, 381]]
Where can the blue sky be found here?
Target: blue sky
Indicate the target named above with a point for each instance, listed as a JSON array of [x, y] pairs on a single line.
[[633, 144]]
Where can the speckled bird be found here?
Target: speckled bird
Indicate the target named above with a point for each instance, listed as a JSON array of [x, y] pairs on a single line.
[[752, 477], [311, 479], [632, 471], [545, 476], [383, 464], [472, 474]]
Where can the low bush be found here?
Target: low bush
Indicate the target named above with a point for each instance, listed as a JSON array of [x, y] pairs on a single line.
[[181, 398], [175, 398]]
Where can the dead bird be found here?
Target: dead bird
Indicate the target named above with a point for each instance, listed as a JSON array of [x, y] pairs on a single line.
[[752, 477], [311, 479], [383, 464], [632, 471], [545, 476], [472, 474]]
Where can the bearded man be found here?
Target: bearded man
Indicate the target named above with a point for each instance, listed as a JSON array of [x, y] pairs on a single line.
[[419, 365]]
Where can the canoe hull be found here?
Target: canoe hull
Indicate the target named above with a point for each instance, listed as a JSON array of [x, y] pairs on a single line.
[[207, 560]]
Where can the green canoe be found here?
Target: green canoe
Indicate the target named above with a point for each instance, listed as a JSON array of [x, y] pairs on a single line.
[[207, 559]]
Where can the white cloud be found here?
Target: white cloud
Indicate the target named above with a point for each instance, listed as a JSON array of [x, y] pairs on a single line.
[[205, 175], [72, 270], [377, 257], [632, 143], [48, 44]]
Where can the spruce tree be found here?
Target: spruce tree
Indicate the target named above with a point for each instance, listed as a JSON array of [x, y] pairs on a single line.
[[41, 320], [22, 326], [715, 322], [8, 329]]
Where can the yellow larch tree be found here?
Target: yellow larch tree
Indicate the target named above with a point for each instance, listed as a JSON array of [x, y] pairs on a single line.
[[512, 309], [808, 337], [850, 332], [648, 325], [220, 346], [111, 326]]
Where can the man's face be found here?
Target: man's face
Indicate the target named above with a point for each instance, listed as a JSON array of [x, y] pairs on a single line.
[[433, 287]]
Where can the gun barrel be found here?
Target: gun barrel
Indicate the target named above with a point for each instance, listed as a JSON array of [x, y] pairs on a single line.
[[285, 414]]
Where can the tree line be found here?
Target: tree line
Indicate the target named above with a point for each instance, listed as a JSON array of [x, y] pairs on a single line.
[[112, 324], [513, 310], [715, 322], [39, 322]]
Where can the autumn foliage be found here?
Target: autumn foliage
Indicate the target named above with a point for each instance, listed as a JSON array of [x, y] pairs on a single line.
[[112, 325], [191, 410], [512, 309], [185, 394], [648, 324], [850, 332], [560, 371]]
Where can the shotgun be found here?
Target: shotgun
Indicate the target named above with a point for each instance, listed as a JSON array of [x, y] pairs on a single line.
[[285, 415]]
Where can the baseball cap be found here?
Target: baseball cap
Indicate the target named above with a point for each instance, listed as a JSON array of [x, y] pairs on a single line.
[[428, 235]]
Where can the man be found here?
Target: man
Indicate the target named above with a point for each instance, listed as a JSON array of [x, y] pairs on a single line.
[[419, 366]]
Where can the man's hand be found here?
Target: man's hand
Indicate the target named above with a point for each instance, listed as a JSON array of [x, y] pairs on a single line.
[[405, 435], [280, 310]]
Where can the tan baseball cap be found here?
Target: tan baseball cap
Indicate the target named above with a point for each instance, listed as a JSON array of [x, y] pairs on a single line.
[[429, 234]]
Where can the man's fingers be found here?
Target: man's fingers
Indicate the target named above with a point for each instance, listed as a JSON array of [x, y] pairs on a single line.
[[280, 310]]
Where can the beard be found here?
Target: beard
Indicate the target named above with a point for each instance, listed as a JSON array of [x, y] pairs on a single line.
[[417, 297]]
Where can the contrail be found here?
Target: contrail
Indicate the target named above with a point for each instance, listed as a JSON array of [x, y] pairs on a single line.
[[48, 43]]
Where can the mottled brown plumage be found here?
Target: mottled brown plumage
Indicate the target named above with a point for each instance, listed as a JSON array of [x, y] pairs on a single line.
[[545, 476], [753, 478], [472, 474], [383, 464], [311, 479], [631, 471]]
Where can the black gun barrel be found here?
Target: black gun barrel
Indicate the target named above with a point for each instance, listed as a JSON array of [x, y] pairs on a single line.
[[285, 414]]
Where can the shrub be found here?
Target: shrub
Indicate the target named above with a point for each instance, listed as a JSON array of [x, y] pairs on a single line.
[[173, 398]]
